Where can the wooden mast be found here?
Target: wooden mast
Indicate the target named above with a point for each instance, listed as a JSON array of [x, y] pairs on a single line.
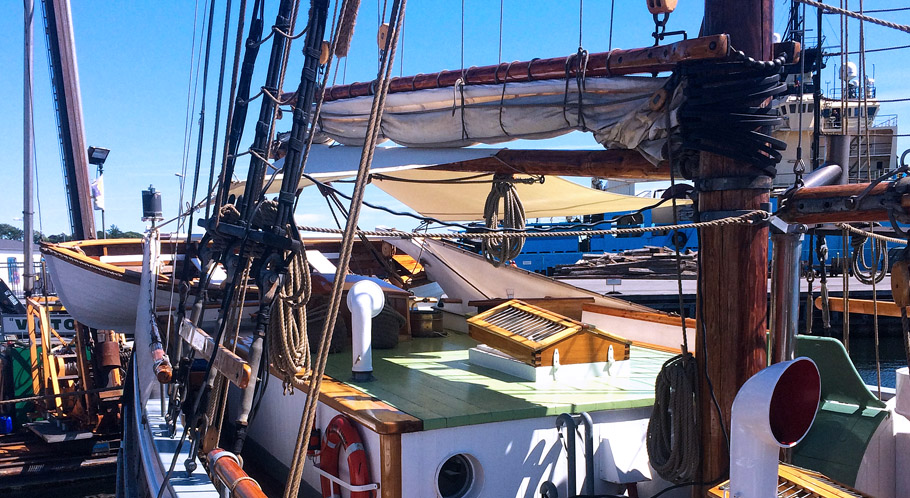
[[734, 271]]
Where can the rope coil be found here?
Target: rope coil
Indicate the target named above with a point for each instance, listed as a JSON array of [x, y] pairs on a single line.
[[288, 341], [673, 440], [501, 250], [858, 259]]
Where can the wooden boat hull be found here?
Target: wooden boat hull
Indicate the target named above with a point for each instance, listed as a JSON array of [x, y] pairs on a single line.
[[99, 294]]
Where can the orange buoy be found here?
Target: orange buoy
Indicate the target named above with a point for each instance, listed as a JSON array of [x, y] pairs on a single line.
[[341, 433]]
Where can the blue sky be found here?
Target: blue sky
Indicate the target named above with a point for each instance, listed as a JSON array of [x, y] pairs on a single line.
[[134, 67]]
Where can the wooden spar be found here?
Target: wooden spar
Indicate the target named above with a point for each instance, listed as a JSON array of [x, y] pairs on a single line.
[[843, 203], [612, 163], [62, 51], [614, 63], [861, 306], [734, 274]]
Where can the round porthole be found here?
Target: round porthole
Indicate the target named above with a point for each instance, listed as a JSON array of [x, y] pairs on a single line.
[[458, 477]]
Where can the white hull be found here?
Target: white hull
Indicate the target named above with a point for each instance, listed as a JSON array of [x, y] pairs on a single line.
[[101, 301], [467, 276]]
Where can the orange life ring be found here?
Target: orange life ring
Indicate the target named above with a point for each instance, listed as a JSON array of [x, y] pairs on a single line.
[[341, 433]]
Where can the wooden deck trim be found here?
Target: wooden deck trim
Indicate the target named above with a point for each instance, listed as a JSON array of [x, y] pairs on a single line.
[[75, 257], [368, 411], [662, 349], [661, 318]]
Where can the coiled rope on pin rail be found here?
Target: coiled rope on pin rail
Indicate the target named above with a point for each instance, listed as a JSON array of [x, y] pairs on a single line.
[[858, 259], [499, 251], [288, 342]]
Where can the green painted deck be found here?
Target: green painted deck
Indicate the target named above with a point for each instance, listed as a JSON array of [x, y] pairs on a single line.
[[431, 379]]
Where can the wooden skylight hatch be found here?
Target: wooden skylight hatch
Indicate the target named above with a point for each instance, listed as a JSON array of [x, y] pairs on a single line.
[[532, 335]]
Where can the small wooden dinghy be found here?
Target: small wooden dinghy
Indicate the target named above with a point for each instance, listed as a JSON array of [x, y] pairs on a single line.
[[99, 279]]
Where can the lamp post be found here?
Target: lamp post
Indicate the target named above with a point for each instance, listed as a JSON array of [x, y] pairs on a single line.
[[97, 156]]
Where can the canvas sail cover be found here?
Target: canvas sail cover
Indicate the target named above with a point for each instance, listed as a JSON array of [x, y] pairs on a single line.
[[614, 109]]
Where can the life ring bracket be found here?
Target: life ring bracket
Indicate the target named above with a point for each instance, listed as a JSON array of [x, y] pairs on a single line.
[[344, 484]]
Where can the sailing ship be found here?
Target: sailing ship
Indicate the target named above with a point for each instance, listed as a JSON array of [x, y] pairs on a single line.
[[499, 410]]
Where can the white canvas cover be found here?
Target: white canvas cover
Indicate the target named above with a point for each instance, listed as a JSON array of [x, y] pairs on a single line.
[[614, 109], [435, 195]]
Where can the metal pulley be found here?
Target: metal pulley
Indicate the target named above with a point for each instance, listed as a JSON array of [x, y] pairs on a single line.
[[661, 6]]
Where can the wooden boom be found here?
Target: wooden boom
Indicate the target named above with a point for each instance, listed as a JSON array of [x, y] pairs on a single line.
[[611, 163], [613, 63], [843, 203]]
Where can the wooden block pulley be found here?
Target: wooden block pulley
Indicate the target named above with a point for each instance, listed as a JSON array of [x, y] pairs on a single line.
[[661, 6]]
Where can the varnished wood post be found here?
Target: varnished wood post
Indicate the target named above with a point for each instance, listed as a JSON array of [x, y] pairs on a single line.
[[390, 455], [734, 272]]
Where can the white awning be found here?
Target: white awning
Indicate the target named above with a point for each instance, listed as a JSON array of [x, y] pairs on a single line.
[[440, 194]]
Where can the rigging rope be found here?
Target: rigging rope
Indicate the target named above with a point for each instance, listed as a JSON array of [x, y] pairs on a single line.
[[499, 251], [224, 44], [861, 17], [384, 76], [749, 218], [885, 238], [845, 277], [673, 439]]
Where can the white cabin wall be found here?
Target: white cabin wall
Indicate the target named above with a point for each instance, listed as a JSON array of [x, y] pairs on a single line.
[[516, 456]]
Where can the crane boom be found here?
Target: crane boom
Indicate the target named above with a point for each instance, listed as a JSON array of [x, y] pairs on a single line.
[[68, 103]]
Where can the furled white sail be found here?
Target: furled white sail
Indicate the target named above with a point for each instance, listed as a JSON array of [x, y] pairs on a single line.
[[614, 109]]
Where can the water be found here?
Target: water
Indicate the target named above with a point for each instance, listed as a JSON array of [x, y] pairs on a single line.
[[891, 356]]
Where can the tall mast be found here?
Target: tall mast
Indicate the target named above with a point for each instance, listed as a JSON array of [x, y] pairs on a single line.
[[734, 271], [27, 148]]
